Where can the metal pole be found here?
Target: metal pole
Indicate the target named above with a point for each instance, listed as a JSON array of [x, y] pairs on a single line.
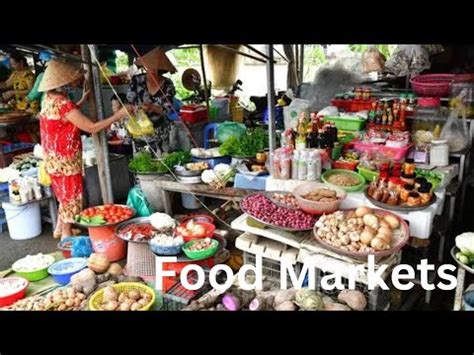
[[203, 68], [255, 50], [239, 52], [103, 139], [271, 99], [301, 63]]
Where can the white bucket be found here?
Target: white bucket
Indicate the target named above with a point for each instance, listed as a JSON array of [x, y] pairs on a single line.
[[189, 202], [24, 222]]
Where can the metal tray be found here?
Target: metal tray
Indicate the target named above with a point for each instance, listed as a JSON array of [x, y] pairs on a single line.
[[182, 258], [138, 220], [397, 208], [266, 224], [377, 254], [107, 224], [454, 250]]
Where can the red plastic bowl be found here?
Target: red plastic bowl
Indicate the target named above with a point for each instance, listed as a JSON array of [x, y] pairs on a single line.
[[201, 218], [436, 85], [18, 295], [209, 227]]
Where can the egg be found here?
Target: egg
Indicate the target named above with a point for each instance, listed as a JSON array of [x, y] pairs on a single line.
[[392, 221], [362, 211]]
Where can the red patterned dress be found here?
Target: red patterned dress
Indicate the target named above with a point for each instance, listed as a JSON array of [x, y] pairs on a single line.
[[62, 147]]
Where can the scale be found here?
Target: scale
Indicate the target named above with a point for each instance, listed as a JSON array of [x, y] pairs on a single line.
[[192, 81]]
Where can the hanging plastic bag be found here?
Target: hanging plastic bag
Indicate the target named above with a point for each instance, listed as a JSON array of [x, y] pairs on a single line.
[[408, 60], [81, 247], [228, 129], [43, 176], [455, 131], [140, 125], [372, 60], [136, 200]]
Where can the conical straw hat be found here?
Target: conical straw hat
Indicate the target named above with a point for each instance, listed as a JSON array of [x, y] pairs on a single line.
[[58, 74], [156, 59]]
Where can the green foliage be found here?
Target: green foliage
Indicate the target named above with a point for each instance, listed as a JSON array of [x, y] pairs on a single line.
[[144, 162], [121, 62], [385, 49], [247, 145], [187, 57]]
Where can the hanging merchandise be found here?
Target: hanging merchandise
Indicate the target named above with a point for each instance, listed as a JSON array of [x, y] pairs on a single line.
[[140, 125], [372, 60], [137, 200], [455, 131]]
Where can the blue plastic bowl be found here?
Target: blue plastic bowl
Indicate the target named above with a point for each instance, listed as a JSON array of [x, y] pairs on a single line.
[[160, 250], [64, 269]]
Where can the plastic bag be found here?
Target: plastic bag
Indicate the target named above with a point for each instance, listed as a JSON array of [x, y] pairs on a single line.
[[81, 247], [140, 125], [408, 60], [293, 111], [455, 131], [136, 200], [228, 129], [43, 177], [372, 60]]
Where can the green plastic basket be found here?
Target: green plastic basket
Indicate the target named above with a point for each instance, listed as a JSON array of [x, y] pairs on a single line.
[[35, 275], [354, 188], [200, 254], [346, 123], [369, 175]]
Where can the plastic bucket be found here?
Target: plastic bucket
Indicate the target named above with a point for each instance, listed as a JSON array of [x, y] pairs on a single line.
[[189, 202], [105, 241], [24, 222]]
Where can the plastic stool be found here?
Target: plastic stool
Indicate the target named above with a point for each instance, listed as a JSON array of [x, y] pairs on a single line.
[[211, 127]]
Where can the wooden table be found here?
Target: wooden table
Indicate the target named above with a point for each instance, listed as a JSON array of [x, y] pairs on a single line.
[[168, 187]]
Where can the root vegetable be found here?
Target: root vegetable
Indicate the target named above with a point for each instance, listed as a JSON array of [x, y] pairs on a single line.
[[62, 307], [220, 307], [143, 302], [362, 211], [77, 302], [84, 281], [125, 306], [284, 295], [334, 306], [105, 284], [123, 278], [69, 302], [111, 306], [392, 221], [110, 294], [371, 221], [366, 237], [353, 298], [135, 306], [260, 303], [237, 299], [122, 297], [98, 262], [379, 243], [115, 269], [308, 299], [134, 295], [103, 277], [286, 306]]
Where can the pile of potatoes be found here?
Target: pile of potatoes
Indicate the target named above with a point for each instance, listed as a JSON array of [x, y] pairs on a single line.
[[65, 300], [132, 300]]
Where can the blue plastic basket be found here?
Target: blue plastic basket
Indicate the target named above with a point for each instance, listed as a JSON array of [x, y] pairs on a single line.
[[64, 269], [161, 250]]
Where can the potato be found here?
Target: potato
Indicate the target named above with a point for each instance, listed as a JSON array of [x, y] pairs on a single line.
[[77, 302], [69, 302], [136, 306], [81, 296], [362, 211], [143, 302], [134, 295], [111, 306], [122, 297], [110, 294], [62, 307], [125, 306], [392, 221]]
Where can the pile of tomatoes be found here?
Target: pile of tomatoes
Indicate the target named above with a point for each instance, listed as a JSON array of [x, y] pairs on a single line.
[[109, 214]]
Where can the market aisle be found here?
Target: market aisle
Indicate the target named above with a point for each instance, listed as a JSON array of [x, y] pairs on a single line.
[[13, 250]]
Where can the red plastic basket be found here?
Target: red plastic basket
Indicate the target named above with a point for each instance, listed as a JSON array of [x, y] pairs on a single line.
[[390, 152], [352, 105], [432, 84]]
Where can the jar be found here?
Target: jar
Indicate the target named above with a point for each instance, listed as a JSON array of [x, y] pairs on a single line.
[[420, 181], [384, 170], [409, 167], [439, 152], [428, 120], [408, 179], [403, 99], [414, 199], [358, 94], [366, 93], [406, 190], [425, 194]]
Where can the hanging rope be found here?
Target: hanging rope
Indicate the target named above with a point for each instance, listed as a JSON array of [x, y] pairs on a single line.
[[131, 117]]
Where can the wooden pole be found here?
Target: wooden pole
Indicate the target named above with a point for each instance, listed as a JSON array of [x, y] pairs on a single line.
[[204, 78], [96, 138]]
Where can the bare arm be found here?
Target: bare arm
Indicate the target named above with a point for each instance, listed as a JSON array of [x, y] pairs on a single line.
[[85, 124]]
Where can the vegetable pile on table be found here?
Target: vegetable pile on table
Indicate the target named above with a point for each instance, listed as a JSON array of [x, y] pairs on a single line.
[[107, 214], [247, 145], [146, 162]]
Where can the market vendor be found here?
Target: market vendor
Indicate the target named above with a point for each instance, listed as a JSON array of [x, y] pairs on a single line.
[[154, 93], [19, 83], [61, 123], [35, 95]]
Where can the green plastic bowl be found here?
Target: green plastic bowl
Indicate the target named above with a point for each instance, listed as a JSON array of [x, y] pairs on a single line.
[[35, 275], [354, 188], [200, 254], [369, 175]]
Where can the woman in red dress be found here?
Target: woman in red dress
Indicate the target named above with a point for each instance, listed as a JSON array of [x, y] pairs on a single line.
[[61, 123]]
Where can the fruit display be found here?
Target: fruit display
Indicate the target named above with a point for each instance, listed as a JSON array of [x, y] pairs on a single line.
[[264, 210], [102, 215], [360, 231]]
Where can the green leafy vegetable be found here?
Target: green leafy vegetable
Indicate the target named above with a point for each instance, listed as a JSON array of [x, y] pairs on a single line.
[[144, 162], [247, 145]]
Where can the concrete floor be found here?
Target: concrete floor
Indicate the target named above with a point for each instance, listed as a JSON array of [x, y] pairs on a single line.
[[12, 250]]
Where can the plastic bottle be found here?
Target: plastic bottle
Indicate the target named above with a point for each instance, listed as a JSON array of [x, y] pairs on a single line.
[[311, 164], [294, 165], [302, 166], [318, 164]]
